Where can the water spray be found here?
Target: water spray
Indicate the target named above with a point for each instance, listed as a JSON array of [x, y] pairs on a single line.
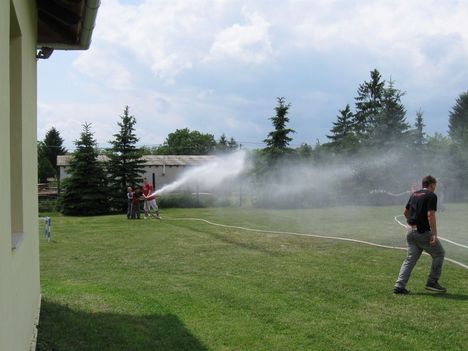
[[209, 175], [382, 191]]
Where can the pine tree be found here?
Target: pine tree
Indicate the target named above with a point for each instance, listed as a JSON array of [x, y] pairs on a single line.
[[389, 123], [278, 140], [85, 191], [232, 144], [458, 120], [343, 137], [418, 143], [125, 165], [458, 132], [44, 168], [419, 134], [222, 144], [368, 104], [51, 147]]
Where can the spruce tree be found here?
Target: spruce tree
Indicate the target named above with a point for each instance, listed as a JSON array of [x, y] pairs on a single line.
[[419, 134], [278, 140], [44, 168], [458, 132], [85, 191], [342, 134], [125, 165], [222, 144], [368, 104], [232, 144], [389, 123], [50, 148], [458, 120], [54, 143], [418, 143]]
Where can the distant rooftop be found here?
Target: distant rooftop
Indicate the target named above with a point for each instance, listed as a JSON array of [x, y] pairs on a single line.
[[155, 160]]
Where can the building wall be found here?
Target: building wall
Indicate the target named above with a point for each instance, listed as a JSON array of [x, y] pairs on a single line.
[[160, 172], [19, 244], [162, 175]]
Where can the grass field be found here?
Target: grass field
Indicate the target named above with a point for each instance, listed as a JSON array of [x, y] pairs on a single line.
[[178, 284]]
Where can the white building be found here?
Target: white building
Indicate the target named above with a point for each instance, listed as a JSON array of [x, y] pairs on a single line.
[[160, 170]]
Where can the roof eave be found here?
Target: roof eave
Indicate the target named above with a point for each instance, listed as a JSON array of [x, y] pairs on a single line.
[[84, 33]]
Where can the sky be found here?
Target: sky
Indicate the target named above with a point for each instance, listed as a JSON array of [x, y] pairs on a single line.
[[218, 66]]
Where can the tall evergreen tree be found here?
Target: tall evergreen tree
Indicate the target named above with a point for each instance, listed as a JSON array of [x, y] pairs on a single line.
[[278, 140], [458, 132], [225, 145], [418, 142], [85, 191], [51, 147], [419, 134], [458, 120], [125, 165], [222, 144], [44, 167], [232, 144], [368, 104], [389, 122], [342, 134]]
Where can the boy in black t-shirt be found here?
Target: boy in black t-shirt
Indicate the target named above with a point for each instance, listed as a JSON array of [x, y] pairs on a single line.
[[422, 235]]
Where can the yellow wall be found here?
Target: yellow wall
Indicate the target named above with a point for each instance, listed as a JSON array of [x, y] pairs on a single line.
[[19, 267]]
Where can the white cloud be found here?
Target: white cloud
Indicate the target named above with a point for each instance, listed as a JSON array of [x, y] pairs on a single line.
[[103, 67], [390, 29], [164, 36], [227, 60], [249, 43], [63, 116]]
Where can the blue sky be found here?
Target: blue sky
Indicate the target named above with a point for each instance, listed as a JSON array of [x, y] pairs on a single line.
[[217, 66]]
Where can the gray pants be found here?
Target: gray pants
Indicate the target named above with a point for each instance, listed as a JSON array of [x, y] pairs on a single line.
[[417, 242]]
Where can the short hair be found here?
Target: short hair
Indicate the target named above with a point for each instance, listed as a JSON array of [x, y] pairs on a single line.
[[428, 180]]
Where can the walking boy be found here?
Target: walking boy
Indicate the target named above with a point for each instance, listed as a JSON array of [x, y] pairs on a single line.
[[422, 235]]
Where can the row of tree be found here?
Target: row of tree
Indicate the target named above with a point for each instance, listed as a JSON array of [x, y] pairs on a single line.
[[377, 127], [180, 142], [97, 187]]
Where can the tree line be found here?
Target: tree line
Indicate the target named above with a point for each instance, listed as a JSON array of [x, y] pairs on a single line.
[[384, 149], [96, 187], [374, 126]]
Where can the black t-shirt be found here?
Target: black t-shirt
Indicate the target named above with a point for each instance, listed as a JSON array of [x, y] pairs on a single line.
[[418, 205]]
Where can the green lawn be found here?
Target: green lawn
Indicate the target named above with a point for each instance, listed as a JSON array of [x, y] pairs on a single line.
[[109, 283]]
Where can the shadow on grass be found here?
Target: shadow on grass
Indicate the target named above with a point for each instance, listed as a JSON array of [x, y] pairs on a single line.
[[447, 296], [232, 241], [63, 328]]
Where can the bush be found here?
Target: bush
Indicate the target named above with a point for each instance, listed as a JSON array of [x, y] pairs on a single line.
[[48, 205]]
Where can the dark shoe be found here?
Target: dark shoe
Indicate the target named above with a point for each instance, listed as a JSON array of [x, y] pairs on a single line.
[[400, 291], [435, 287]]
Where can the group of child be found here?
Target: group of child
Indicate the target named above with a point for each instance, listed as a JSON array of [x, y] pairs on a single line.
[[146, 195]]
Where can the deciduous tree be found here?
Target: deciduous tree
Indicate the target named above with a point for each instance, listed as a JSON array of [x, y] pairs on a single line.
[[186, 142]]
